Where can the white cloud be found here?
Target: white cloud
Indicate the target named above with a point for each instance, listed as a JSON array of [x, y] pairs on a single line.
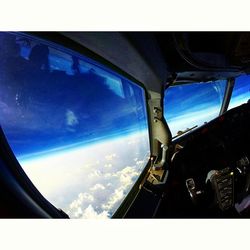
[[90, 213], [125, 177], [78, 212], [109, 165], [107, 175], [71, 119], [88, 181], [131, 142], [95, 173], [104, 196], [82, 197], [116, 197], [110, 157], [139, 162], [97, 187]]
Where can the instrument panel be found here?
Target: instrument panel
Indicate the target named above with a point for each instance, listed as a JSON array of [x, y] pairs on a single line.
[[213, 161]]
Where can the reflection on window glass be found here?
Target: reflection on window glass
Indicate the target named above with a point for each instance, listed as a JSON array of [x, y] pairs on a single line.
[[241, 91], [190, 105], [78, 130]]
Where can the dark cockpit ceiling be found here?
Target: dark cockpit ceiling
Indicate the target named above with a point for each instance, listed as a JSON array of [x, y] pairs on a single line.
[[154, 58]]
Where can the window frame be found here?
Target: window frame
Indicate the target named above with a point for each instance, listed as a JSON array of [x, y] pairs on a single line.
[[227, 95]]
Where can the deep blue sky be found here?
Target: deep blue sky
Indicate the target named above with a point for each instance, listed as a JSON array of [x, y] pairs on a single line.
[[188, 98], [51, 98], [241, 91]]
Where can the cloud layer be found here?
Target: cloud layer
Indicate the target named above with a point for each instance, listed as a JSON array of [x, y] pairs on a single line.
[[90, 182]]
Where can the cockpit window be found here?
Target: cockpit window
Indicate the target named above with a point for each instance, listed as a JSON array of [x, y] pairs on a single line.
[[241, 91], [188, 106], [78, 129]]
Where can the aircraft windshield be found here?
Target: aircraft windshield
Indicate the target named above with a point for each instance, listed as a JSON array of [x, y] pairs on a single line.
[[188, 106], [241, 91], [79, 130]]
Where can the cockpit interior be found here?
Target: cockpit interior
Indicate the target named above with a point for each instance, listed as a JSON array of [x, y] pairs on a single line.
[[125, 125]]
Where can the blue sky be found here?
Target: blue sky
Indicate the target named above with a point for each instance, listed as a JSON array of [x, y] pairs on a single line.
[[53, 103], [192, 104], [69, 101], [241, 91]]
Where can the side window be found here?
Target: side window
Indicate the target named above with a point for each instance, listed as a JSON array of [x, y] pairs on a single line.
[[241, 91], [78, 129], [191, 105]]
